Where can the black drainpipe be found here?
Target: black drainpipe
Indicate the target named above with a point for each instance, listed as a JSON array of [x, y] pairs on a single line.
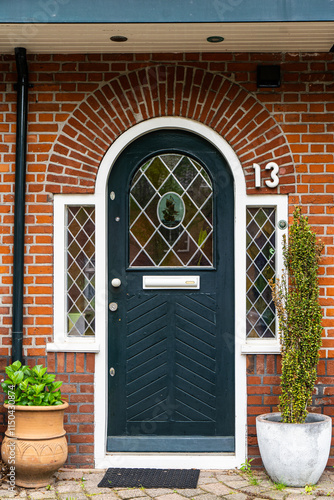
[[19, 213]]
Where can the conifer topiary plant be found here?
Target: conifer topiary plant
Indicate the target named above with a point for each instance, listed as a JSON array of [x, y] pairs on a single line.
[[296, 297]]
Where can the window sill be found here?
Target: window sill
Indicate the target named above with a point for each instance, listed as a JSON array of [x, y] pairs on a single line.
[[74, 346], [261, 347]]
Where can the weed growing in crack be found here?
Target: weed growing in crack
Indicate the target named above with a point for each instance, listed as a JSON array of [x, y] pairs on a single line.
[[246, 467]]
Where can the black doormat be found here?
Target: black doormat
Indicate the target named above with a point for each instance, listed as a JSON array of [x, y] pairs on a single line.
[[150, 478]]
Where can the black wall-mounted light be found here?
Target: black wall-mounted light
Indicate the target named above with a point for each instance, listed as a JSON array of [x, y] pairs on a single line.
[[331, 49], [269, 76], [215, 39], [118, 38]]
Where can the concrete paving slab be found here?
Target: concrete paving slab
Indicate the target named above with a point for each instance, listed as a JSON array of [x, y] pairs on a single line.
[[206, 480], [42, 495], [294, 491], [105, 496], [325, 483], [92, 478], [237, 496], [264, 482], [70, 474], [92, 481], [217, 489], [72, 496], [23, 494], [255, 490], [171, 496], [325, 492], [274, 494], [131, 493], [157, 492], [233, 482], [189, 493], [68, 487], [207, 496], [7, 493], [95, 491], [301, 496]]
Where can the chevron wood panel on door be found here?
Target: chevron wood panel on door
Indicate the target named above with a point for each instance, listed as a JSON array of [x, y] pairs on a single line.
[[146, 357], [195, 358], [171, 360]]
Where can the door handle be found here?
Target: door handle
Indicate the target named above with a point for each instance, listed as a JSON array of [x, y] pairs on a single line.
[[116, 282]]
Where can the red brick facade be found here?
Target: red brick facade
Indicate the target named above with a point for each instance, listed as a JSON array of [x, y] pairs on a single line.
[[80, 104]]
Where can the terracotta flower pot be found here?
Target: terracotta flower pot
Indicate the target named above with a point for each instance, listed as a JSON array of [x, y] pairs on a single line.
[[35, 446]]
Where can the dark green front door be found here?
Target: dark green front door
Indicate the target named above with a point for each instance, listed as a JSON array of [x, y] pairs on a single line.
[[171, 317]]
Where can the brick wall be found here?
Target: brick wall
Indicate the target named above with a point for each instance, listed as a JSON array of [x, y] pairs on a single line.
[[78, 106], [76, 370], [65, 145]]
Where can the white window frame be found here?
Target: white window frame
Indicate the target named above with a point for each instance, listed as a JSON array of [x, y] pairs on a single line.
[[280, 203], [62, 342]]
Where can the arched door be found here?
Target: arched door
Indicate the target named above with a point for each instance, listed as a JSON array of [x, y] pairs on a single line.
[[171, 296]]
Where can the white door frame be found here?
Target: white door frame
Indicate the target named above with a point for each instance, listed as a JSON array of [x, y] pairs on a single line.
[[169, 460]]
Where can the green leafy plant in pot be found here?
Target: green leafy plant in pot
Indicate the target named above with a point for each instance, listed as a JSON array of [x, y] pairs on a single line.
[[31, 386], [294, 444], [34, 446]]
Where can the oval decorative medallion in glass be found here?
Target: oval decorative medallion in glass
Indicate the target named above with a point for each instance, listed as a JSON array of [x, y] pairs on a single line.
[[171, 214], [171, 210]]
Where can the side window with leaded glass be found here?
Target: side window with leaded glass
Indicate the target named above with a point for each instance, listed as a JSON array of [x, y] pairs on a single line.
[[80, 238], [171, 214], [260, 266]]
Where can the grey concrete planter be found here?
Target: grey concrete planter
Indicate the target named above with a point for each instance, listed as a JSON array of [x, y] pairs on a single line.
[[294, 454]]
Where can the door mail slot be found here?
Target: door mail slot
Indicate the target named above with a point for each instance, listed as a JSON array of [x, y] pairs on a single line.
[[170, 282]]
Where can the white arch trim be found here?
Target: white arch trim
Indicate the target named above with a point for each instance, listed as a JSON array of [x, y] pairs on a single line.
[[175, 123], [203, 461]]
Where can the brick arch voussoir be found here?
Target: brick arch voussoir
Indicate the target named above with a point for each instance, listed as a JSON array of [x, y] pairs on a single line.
[[170, 90]]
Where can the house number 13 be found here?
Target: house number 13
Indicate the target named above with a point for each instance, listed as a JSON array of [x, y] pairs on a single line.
[[274, 174]]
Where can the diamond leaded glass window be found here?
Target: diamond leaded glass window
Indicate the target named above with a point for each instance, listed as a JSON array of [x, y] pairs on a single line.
[[260, 266], [80, 271], [171, 214]]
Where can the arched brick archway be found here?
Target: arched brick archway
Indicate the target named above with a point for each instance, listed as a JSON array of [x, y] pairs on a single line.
[[161, 91]]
